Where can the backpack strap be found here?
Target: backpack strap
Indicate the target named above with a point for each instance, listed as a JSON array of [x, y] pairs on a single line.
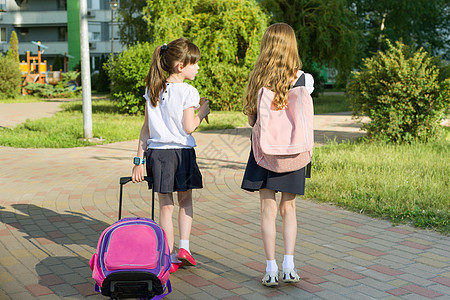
[[301, 81], [308, 170]]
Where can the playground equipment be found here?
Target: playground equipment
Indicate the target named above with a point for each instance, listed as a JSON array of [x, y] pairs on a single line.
[[34, 70]]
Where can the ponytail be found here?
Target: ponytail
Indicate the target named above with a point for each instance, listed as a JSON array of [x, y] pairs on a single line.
[[163, 65], [156, 79]]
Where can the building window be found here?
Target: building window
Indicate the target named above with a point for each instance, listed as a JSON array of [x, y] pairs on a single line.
[[2, 5], [2, 34], [63, 34], [94, 32], [62, 4], [93, 4]]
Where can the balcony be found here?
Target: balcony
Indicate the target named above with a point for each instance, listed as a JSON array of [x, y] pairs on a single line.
[[32, 18], [53, 49]]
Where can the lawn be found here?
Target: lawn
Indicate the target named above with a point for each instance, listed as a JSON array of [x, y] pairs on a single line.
[[402, 183], [327, 103], [65, 128]]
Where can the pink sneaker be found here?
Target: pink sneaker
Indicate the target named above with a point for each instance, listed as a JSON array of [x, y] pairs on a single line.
[[186, 257]]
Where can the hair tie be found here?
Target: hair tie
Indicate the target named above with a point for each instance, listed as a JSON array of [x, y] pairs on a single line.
[[164, 46]]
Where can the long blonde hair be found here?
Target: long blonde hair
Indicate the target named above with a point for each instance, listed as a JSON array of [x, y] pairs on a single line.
[[164, 62], [275, 67]]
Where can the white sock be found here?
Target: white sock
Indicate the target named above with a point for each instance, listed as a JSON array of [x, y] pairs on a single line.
[[173, 258], [185, 245], [288, 262], [271, 266]]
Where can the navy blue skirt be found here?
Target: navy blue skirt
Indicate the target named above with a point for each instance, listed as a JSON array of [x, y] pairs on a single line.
[[173, 170], [256, 178]]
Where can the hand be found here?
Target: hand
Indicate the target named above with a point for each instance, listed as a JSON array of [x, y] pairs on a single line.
[[203, 111], [137, 173]]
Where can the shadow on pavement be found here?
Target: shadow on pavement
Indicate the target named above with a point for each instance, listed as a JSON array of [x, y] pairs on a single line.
[[65, 270]]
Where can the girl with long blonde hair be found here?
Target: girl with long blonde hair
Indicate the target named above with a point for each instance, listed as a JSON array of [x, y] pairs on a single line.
[[277, 68]]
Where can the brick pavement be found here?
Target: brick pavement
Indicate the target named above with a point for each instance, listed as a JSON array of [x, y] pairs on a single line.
[[54, 203]]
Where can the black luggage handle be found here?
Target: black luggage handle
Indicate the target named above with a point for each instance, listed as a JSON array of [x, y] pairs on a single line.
[[125, 180]]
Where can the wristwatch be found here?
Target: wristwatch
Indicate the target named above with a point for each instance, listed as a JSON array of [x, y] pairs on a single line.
[[138, 161]]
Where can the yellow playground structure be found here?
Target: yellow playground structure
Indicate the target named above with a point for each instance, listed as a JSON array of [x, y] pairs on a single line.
[[34, 70]]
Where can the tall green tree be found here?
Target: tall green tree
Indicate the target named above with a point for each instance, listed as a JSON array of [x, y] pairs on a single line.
[[10, 77], [419, 23], [132, 26], [228, 33], [324, 28], [13, 51]]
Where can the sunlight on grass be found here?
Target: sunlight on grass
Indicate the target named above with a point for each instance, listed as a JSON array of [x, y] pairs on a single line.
[[65, 128], [22, 99], [404, 183], [325, 104]]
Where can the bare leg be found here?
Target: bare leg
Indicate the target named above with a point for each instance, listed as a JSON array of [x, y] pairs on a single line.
[[268, 216], [185, 214], [289, 216], [166, 208]]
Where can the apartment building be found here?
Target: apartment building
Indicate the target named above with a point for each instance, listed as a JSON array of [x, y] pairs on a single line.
[[55, 23]]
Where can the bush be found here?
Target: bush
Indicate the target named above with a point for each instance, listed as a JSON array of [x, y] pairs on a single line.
[[10, 77], [400, 92], [67, 87], [128, 73], [228, 33]]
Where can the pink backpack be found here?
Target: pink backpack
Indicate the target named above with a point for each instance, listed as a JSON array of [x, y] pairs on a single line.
[[132, 260], [283, 140]]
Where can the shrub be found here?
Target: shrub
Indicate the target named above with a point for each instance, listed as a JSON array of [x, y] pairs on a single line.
[[128, 73], [67, 87], [10, 77], [400, 92], [227, 32]]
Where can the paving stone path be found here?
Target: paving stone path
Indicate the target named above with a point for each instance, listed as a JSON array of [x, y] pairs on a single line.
[[54, 203]]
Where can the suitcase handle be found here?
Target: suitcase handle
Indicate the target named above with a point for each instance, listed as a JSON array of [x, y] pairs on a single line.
[[125, 180]]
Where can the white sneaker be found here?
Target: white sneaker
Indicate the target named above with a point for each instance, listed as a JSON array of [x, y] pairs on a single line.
[[270, 279], [290, 276]]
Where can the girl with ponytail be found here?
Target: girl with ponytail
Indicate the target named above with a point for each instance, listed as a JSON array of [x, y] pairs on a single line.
[[166, 145]]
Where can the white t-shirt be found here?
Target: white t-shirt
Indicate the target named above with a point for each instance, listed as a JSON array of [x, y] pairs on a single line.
[[165, 121], [309, 83]]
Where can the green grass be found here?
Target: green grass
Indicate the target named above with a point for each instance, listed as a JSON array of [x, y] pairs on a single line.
[[223, 120], [22, 99], [65, 128], [325, 104], [402, 183]]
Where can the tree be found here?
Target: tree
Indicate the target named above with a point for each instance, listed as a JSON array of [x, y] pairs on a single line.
[[324, 28], [10, 77], [228, 33], [420, 23], [132, 27], [13, 51], [399, 90]]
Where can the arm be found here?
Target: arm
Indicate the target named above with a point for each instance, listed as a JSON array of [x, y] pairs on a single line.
[[192, 121], [138, 171]]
